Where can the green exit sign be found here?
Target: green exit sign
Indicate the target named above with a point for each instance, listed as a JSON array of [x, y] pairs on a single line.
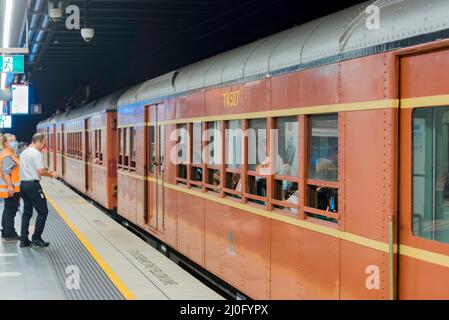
[[14, 64]]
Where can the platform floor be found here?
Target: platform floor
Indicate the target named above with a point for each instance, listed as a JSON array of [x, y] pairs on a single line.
[[91, 257]]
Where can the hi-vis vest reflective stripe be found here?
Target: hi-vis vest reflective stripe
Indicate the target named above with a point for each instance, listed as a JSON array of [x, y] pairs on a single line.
[[15, 174]]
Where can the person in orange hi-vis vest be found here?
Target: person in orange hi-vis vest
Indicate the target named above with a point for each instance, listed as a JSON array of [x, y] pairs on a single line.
[[9, 186]]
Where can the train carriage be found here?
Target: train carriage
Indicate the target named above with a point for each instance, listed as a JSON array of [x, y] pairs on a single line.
[[357, 208]]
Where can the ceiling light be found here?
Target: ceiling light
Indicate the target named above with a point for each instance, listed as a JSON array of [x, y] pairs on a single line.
[[9, 5]]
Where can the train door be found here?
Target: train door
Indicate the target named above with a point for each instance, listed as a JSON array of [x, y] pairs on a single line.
[[424, 176], [88, 157], [155, 146]]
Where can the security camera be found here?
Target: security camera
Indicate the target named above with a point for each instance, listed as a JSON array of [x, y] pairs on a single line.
[[87, 34], [54, 12]]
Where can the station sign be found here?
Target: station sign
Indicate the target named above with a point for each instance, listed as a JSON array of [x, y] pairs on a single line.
[[5, 122], [36, 109], [20, 98], [13, 64]]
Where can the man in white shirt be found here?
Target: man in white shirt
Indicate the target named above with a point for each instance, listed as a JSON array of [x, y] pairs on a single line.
[[31, 171]]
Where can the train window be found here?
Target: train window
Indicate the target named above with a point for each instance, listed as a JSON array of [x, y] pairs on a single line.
[[286, 181], [234, 159], [183, 158], [59, 142], [80, 145], [96, 144], [100, 147], [234, 136], [120, 147], [161, 150], [125, 148], [257, 156], [322, 189], [430, 217], [197, 143], [152, 138], [257, 143], [132, 138], [213, 155], [323, 147]]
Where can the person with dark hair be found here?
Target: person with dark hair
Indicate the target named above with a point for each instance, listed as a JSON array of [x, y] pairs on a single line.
[[21, 148], [31, 171]]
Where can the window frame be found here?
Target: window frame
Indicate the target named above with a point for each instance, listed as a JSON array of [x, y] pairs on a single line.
[[226, 170], [335, 217], [250, 173], [287, 207], [201, 165]]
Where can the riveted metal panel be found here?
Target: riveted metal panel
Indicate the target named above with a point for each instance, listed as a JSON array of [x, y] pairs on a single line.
[[324, 41], [398, 20]]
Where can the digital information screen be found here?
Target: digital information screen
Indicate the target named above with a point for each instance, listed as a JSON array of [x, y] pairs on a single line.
[[20, 103], [5, 122]]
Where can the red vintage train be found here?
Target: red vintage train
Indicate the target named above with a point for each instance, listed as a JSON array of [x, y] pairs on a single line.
[[358, 208]]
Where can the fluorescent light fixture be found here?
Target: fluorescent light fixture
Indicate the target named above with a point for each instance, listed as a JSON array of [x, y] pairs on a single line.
[[9, 5]]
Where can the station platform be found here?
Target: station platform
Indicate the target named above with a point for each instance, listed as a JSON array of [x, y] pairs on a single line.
[[91, 257]]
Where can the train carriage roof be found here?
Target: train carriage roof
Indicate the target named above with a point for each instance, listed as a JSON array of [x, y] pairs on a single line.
[[336, 37]]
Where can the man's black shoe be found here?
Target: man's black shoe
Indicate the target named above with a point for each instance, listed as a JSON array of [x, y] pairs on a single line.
[[12, 239], [39, 243], [25, 243]]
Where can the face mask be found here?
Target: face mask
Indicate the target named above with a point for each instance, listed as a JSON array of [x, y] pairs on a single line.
[[14, 145]]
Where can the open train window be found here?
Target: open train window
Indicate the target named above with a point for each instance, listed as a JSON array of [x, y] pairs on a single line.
[[183, 158], [286, 177], [256, 186], [430, 219], [233, 158], [322, 190]]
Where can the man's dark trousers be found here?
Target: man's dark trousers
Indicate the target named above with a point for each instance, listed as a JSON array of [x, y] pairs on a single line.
[[33, 197]]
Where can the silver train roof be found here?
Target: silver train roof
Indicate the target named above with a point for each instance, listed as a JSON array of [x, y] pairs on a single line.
[[299, 47]]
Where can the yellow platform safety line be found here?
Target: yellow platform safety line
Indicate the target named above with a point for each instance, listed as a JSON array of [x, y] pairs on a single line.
[[118, 283]]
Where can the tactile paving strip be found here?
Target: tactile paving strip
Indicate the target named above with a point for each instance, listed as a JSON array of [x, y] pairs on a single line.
[[79, 274]]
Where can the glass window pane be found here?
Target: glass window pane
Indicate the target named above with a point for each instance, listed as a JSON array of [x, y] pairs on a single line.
[[182, 143], [234, 135], [133, 144], [152, 149], [197, 147], [213, 143], [287, 147], [257, 143], [161, 149], [323, 148], [431, 173]]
